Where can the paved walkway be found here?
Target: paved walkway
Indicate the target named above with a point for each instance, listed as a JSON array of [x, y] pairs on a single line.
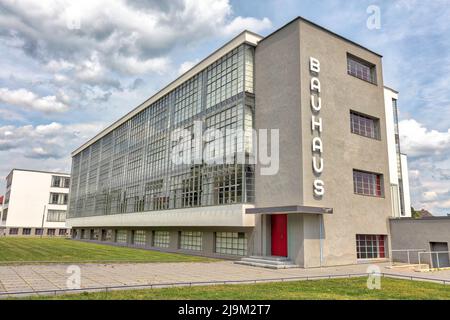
[[28, 278]]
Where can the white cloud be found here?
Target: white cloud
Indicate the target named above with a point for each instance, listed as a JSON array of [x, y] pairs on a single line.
[[418, 141], [53, 140], [28, 99], [130, 32], [239, 24], [185, 66]]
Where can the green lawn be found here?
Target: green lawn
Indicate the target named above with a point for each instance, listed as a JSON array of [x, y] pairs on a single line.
[[342, 289], [65, 250]]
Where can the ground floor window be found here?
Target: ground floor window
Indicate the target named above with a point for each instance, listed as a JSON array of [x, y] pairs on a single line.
[[139, 237], [62, 232], [191, 240], [50, 232], [121, 236], [38, 232], [14, 231], [161, 239], [370, 246], [233, 243], [26, 231]]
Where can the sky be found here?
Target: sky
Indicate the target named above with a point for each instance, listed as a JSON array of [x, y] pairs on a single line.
[[70, 68]]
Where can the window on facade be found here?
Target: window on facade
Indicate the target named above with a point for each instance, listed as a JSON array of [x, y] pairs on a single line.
[[5, 214], [58, 198], [38, 231], [139, 237], [56, 181], [26, 231], [14, 231], [161, 239], [364, 125], [51, 232], [361, 69], [56, 215], [368, 184], [60, 182], [231, 243], [191, 240], [121, 236], [370, 246], [62, 232]]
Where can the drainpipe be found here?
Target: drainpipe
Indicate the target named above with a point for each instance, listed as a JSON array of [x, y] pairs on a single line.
[[321, 238]]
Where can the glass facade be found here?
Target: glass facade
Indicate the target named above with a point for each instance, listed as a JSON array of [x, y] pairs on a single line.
[[399, 162], [130, 169]]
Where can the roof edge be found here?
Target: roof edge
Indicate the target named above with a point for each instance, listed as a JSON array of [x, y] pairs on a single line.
[[300, 18], [38, 171]]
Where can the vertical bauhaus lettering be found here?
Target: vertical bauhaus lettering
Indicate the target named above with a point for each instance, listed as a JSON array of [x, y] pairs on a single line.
[[316, 127]]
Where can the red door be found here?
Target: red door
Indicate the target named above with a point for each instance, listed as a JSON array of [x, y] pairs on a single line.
[[279, 235]]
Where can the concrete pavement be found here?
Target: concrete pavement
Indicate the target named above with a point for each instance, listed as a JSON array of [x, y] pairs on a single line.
[[32, 278]]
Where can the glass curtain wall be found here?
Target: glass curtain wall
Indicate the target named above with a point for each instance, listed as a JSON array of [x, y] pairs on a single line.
[[130, 169]]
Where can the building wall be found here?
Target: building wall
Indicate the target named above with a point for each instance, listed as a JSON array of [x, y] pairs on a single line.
[[282, 87], [389, 94], [398, 166], [29, 201], [343, 151], [408, 233], [208, 239], [405, 181], [227, 215], [131, 169]]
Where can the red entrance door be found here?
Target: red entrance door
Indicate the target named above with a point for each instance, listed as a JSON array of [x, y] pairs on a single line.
[[279, 235]]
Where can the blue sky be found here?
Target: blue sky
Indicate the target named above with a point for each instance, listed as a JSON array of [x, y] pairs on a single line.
[[59, 86]]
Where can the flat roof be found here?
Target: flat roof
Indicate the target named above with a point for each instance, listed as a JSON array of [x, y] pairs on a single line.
[[245, 36], [389, 88], [39, 171], [323, 29]]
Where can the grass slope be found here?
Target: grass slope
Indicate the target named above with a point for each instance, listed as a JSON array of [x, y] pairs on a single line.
[[65, 250], [341, 289]]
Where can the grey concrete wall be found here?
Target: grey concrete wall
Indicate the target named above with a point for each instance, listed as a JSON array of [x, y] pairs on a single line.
[[208, 239], [277, 94], [282, 88], [407, 233], [343, 150]]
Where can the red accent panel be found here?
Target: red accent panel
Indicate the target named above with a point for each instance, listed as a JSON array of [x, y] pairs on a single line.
[[279, 235], [381, 246]]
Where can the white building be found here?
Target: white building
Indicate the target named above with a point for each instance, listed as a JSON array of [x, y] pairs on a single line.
[[398, 162], [35, 204]]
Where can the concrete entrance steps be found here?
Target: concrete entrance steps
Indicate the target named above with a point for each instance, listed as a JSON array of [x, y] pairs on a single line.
[[269, 262]]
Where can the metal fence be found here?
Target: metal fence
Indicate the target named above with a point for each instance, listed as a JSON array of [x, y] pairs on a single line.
[[409, 256], [435, 261]]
